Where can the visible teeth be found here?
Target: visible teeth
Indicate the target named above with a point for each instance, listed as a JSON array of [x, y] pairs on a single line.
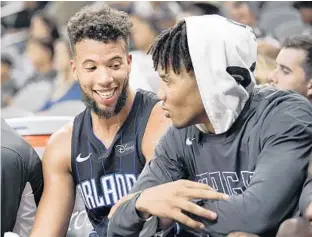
[[106, 94]]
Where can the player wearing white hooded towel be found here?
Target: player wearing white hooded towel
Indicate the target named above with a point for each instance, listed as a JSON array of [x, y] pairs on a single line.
[[248, 142]]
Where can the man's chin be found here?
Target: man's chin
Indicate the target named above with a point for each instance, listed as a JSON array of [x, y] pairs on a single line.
[[105, 107], [104, 111], [178, 125]]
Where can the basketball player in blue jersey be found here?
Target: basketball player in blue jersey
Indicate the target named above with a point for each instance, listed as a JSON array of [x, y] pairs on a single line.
[[104, 150], [252, 143]]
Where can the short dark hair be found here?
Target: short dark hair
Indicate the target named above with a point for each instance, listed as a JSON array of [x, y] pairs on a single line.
[[102, 24], [303, 42], [170, 49]]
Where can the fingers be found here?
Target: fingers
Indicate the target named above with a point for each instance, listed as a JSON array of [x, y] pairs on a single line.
[[241, 234], [196, 209], [184, 219], [233, 234], [204, 194], [192, 184]]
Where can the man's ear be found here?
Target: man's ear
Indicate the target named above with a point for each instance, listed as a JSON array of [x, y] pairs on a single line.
[[73, 69], [129, 60]]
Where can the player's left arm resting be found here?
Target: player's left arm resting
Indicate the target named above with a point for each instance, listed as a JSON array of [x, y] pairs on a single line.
[[277, 182], [164, 168]]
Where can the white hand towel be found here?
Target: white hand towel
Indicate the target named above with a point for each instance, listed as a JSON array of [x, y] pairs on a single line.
[[223, 54]]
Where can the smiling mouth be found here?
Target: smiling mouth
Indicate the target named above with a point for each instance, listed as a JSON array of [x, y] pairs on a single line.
[[106, 94]]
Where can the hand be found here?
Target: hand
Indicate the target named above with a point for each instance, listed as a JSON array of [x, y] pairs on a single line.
[[121, 201], [170, 199], [295, 227], [241, 234], [267, 49]]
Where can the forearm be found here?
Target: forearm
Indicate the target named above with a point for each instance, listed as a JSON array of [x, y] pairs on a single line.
[[126, 220], [244, 215], [55, 207], [271, 197]]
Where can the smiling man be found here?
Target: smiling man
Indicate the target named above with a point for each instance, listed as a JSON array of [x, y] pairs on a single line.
[[104, 150]]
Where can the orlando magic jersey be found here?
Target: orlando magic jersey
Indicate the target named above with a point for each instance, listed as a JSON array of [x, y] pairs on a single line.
[[103, 175]]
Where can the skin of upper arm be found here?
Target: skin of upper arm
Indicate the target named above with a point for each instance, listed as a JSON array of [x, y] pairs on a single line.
[[57, 202], [156, 127]]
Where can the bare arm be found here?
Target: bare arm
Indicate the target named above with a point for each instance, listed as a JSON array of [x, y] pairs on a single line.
[[156, 127], [57, 202]]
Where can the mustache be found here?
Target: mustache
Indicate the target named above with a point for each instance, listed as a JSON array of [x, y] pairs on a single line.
[[91, 104]]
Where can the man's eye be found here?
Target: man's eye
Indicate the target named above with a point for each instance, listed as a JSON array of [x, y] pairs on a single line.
[[285, 71], [91, 68], [115, 66]]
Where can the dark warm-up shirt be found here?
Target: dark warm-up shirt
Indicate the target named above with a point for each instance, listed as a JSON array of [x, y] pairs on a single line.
[[306, 196], [19, 164], [261, 162]]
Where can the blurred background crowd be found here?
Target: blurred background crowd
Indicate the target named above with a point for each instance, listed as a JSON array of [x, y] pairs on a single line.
[[36, 77]]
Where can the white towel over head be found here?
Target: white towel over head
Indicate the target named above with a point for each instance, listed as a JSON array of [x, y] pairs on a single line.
[[223, 55]]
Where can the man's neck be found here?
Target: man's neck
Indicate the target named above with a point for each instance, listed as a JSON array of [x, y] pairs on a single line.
[[208, 125]]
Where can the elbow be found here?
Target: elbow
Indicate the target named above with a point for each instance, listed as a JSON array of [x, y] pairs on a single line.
[[262, 226]]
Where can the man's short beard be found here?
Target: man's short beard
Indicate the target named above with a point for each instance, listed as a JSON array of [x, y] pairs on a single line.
[[108, 112]]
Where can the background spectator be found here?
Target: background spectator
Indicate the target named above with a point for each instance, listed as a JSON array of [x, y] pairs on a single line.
[[8, 87]]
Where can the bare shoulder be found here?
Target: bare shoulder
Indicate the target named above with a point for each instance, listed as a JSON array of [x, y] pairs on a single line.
[[156, 127], [64, 134], [58, 149], [158, 116]]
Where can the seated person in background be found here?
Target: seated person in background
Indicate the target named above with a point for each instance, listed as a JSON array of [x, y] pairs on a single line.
[[294, 66], [143, 34], [8, 87], [43, 27], [65, 87], [247, 13], [38, 87], [305, 10]]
